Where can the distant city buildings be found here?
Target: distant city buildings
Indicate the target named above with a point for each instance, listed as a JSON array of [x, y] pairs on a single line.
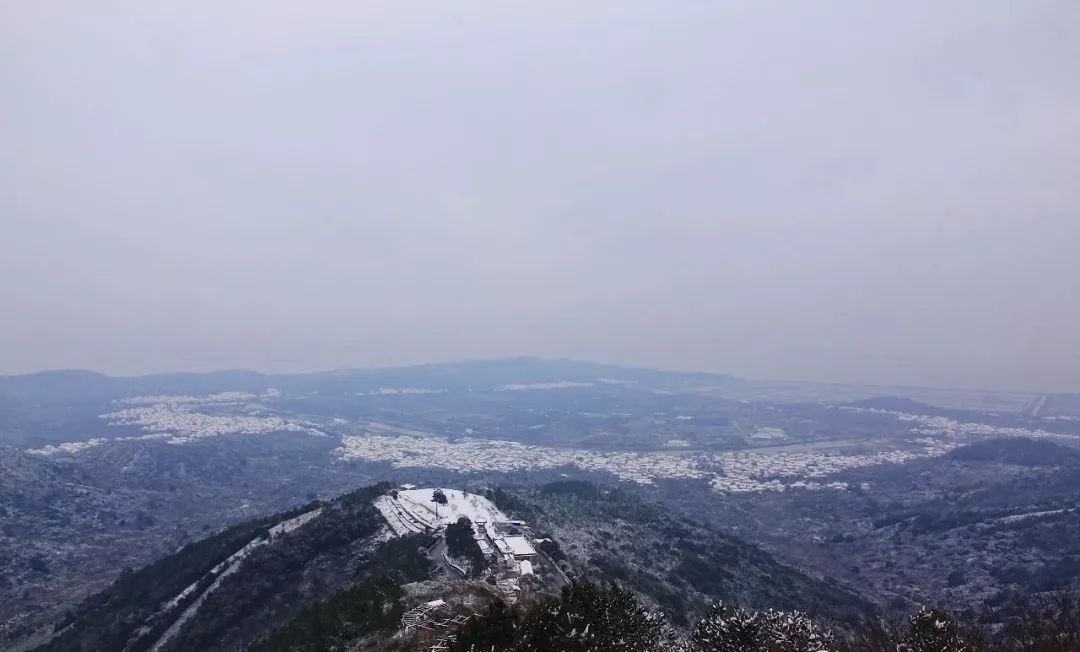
[[183, 419]]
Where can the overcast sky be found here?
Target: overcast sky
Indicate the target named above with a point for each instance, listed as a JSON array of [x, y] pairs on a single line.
[[842, 191]]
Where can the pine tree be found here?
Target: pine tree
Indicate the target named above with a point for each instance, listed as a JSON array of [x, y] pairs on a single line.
[[930, 630], [492, 631], [793, 632], [590, 619], [726, 628], [439, 498]]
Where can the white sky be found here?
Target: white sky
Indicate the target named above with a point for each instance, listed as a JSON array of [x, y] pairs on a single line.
[[845, 191]]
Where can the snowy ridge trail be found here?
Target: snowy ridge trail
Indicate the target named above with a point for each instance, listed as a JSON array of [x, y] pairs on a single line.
[[294, 523], [219, 572], [1015, 518], [190, 612]]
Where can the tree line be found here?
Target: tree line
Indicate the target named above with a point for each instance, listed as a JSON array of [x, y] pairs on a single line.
[[588, 618]]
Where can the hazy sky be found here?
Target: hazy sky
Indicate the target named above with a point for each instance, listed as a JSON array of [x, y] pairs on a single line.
[[843, 191]]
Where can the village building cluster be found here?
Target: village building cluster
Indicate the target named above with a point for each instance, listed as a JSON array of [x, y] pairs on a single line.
[[183, 419], [752, 470], [177, 417], [728, 472], [471, 454]]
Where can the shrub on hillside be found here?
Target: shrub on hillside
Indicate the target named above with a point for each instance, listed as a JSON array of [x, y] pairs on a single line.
[[726, 628]]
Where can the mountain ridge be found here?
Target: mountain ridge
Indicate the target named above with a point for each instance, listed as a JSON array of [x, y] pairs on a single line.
[[246, 582]]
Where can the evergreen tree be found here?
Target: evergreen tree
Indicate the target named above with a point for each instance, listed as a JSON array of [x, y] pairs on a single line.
[[590, 619], [461, 544], [492, 631], [930, 630], [439, 498], [727, 628]]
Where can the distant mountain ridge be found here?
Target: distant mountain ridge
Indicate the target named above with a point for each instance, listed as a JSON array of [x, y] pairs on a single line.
[[486, 374], [472, 374], [55, 406]]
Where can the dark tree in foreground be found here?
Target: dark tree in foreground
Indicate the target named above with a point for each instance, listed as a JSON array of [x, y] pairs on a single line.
[[461, 544], [586, 618], [1050, 625], [933, 631], [726, 628], [491, 631]]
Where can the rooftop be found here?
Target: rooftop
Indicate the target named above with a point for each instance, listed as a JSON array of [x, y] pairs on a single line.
[[519, 546]]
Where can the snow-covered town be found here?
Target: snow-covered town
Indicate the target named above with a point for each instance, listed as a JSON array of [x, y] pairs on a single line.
[[727, 472], [479, 455], [178, 417], [735, 472], [183, 419], [177, 420], [183, 424]]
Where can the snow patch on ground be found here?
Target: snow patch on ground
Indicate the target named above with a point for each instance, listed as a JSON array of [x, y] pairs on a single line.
[[294, 523], [413, 510], [1021, 517], [769, 433], [458, 504], [68, 448]]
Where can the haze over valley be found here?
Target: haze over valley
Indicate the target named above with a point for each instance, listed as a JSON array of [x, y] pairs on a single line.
[[540, 327], [104, 472]]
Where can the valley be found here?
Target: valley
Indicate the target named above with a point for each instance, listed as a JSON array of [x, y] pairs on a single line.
[[892, 502]]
